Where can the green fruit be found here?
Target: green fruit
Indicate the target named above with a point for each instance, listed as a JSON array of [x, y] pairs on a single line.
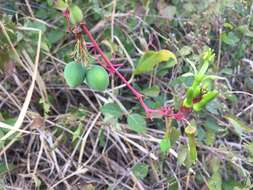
[[74, 74], [76, 14], [205, 100], [97, 78]]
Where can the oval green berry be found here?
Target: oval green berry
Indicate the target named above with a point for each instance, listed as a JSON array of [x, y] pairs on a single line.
[[74, 74], [76, 14], [97, 78]]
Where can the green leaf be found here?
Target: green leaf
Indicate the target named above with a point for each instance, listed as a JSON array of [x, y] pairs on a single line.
[[76, 14], [214, 107], [152, 58], [152, 91], [140, 171], [211, 124], [10, 121], [238, 125], [244, 29], [137, 123], [185, 50], [210, 137], [215, 182], [192, 149], [101, 137], [232, 184], [37, 25], [112, 109], [230, 38], [4, 169], [59, 4], [77, 133], [174, 135], [166, 10], [55, 35], [165, 144], [182, 154]]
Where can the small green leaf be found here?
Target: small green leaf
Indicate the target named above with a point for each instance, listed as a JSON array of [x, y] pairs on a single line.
[[152, 58], [89, 187], [165, 144], [182, 154], [192, 149], [37, 25], [238, 125], [101, 137], [214, 107], [215, 182], [76, 14], [112, 109], [232, 184], [10, 121], [4, 169], [152, 91], [59, 4], [230, 38], [174, 135], [185, 50], [167, 11], [54, 36], [77, 133], [137, 123], [209, 137], [140, 171]]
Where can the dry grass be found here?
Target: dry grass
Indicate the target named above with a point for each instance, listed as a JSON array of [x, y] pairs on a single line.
[[39, 148]]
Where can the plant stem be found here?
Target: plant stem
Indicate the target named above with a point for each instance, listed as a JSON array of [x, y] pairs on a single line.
[[165, 111]]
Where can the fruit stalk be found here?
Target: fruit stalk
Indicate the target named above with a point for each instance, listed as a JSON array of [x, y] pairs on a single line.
[[139, 96], [191, 132], [165, 111]]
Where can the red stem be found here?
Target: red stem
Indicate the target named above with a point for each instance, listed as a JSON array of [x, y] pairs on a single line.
[[166, 111]]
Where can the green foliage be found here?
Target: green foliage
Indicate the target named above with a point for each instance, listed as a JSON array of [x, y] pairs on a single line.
[[76, 14], [4, 169], [140, 170], [58, 4], [74, 74], [151, 91], [97, 78], [239, 126], [136, 123], [215, 182], [165, 144], [77, 133], [111, 109], [151, 59]]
